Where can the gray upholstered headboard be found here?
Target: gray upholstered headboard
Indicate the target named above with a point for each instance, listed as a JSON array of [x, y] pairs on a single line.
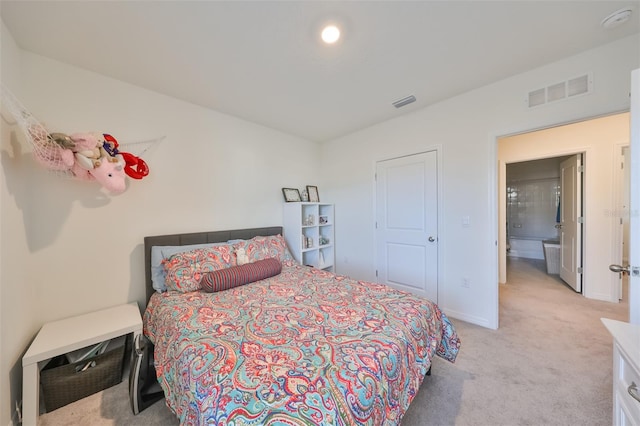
[[197, 238]]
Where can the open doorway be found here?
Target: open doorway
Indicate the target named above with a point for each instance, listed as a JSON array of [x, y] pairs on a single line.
[[543, 216], [597, 139]]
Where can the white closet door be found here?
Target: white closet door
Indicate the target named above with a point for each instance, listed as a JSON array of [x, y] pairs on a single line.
[[407, 223]]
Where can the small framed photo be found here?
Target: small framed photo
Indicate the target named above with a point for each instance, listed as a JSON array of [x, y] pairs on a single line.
[[323, 220], [313, 194], [291, 194]]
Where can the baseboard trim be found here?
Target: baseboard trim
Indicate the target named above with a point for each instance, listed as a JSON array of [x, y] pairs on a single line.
[[483, 322], [605, 297]]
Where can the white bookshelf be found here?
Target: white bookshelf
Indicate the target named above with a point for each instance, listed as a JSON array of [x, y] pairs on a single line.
[[309, 233]]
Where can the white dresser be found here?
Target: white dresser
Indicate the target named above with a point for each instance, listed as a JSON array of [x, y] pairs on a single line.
[[626, 371]]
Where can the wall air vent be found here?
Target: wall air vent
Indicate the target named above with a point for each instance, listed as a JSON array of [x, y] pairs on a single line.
[[567, 89], [537, 97], [404, 101]]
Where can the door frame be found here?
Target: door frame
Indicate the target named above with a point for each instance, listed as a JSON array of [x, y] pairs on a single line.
[[438, 150], [497, 173], [617, 230], [634, 199]]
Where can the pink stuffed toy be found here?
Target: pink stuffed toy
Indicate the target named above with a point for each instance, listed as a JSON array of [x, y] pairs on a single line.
[[93, 162], [87, 149], [110, 175]]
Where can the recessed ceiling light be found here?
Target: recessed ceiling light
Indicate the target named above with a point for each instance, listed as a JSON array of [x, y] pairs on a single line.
[[617, 18], [330, 34]]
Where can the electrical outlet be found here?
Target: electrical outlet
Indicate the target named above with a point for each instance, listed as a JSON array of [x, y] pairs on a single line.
[[465, 282]]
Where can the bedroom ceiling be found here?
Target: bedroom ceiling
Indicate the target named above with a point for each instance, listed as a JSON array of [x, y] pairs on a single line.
[[264, 62]]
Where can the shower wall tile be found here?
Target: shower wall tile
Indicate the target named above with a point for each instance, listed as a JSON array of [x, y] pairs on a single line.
[[531, 208]]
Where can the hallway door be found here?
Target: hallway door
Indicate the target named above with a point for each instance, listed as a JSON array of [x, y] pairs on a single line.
[[570, 222], [407, 223]]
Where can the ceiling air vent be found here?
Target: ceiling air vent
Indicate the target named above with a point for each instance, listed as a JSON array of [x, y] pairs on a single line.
[[570, 88]]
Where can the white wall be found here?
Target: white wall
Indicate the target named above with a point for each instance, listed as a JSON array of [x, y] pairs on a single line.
[[599, 139], [18, 313], [466, 127], [67, 249]]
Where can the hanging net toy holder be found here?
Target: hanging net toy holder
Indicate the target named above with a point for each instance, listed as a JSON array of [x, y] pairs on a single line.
[[85, 156], [46, 151]]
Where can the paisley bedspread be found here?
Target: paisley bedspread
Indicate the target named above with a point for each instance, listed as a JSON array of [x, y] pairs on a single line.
[[305, 347]]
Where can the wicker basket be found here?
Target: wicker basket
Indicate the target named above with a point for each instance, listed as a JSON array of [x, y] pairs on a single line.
[[63, 383]]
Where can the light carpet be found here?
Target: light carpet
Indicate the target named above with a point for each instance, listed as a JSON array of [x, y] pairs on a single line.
[[549, 363]]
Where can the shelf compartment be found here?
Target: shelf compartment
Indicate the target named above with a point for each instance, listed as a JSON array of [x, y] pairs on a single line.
[[306, 225]]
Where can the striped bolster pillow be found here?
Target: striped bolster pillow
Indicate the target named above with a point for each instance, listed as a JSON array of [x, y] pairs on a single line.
[[235, 276]]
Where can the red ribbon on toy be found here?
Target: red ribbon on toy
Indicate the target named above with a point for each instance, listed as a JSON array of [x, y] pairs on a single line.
[[135, 167]]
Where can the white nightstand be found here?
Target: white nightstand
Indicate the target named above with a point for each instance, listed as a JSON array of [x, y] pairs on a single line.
[[66, 335]]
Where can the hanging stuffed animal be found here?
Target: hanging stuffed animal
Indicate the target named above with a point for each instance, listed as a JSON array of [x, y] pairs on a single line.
[[135, 167], [93, 162], [86, 156], [110, 174], [87, 149]]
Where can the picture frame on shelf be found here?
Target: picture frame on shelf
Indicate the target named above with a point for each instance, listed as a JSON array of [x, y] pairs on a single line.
[[323, 220], [291, 195], [314, 197]]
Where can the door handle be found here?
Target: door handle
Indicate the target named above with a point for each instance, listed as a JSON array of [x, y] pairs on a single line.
[[633, 391], [619, 269], [558, 226], [431, 239]]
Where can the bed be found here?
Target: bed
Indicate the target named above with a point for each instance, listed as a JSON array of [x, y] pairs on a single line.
[[297, 346]]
